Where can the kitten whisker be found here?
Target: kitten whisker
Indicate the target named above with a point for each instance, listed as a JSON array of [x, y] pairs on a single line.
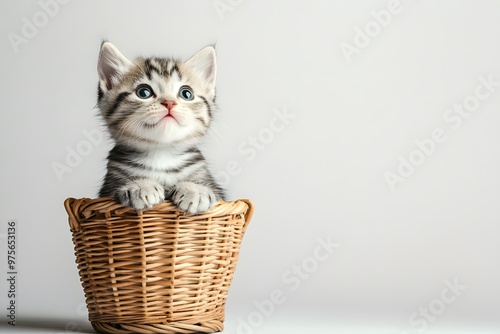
[[221, 123], [128, 123], [211, 132], [213, 137]]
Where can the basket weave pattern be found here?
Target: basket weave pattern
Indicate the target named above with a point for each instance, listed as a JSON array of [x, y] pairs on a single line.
[[156, 271]]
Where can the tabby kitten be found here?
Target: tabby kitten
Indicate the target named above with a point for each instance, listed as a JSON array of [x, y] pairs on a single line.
[[157, 110]]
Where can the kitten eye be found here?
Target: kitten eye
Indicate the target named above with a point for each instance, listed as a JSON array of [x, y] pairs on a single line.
[[186, 93], [144, 92]]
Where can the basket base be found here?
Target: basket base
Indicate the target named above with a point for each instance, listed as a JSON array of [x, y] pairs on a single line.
[[172, 328]]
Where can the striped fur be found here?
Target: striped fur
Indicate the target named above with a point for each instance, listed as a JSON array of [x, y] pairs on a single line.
[[155, 156]]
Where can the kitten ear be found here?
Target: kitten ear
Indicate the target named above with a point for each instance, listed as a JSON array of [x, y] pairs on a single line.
[[111, 66], [204, 65]]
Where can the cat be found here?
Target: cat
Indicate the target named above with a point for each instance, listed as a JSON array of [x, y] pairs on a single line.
[[156, 110]]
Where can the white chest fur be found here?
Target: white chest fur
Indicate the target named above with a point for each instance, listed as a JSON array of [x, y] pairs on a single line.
[[164, 166]]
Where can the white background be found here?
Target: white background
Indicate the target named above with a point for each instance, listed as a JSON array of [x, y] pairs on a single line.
[[321, 175]]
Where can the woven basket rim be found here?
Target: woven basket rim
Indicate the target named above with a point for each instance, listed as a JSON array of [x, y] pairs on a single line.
[[81, 208]]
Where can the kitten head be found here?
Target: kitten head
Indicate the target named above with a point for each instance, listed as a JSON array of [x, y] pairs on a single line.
[[156, 101]]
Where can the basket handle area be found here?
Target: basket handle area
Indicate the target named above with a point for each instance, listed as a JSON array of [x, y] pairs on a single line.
[[249, 213], [69, 205]]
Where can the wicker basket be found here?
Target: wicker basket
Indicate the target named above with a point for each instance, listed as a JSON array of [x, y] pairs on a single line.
[[156, 271]]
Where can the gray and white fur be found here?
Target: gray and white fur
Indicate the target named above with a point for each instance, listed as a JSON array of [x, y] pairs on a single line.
[[156, 111]]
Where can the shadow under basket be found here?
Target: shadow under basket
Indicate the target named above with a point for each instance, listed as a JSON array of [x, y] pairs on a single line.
[[156, 271]]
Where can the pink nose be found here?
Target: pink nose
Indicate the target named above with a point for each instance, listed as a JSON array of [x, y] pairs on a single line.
[[169, 104]]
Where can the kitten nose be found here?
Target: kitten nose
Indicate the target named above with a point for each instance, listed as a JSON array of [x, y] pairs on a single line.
[[169, 104]]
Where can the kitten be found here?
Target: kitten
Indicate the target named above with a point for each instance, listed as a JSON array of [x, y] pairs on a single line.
[[157, 110]]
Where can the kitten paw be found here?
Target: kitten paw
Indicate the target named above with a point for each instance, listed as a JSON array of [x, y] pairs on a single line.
[[193, 198], [141, 194]]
